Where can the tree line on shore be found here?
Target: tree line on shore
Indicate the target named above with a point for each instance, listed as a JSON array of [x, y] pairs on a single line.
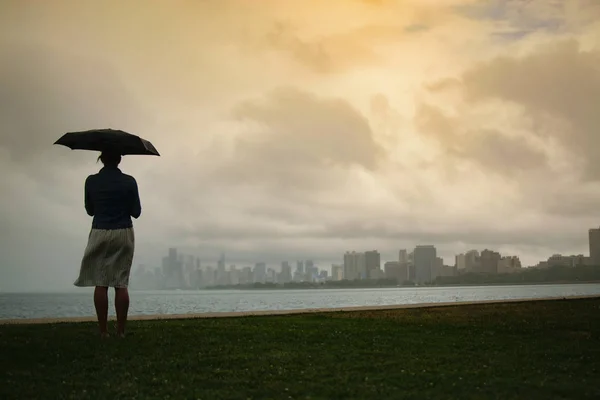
[[556, 274]]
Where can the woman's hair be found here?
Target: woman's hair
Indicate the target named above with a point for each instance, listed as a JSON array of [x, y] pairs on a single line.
[[109, 157]]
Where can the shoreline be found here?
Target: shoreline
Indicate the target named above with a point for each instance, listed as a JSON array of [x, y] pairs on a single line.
[[76, 290], [325, 287], [237, 314]]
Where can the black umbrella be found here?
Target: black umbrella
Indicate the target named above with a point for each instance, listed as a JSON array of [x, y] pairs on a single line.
[[108, 139]]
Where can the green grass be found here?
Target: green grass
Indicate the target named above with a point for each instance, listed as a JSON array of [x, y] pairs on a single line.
[[531, 350]]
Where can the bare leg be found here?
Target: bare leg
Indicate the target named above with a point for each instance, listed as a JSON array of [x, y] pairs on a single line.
[[122, 306], [101, 304]]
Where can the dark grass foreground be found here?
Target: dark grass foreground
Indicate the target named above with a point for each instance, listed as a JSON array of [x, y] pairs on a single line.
[[531, 350]]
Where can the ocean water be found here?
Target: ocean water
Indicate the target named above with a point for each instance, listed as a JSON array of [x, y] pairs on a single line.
[[79, 303]]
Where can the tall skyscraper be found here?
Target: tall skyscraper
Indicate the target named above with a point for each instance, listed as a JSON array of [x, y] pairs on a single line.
[[286, 272], [403, 256], [300, 267], [222, 277], [311, 272], [260, 272], [361, 265], [425, 258], [372, 264], [221, 263], [173, 270], [437, 268], [460, 262], [594, 238], [337, 272], [472, 260], [234, 275], [412, 274], [208, 276], [354, 266], [246, 275]]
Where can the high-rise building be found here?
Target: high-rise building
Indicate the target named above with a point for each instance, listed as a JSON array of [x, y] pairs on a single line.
[[445, 270], [425, 258], [594, 239], [222, 277], [460, 262], [260, 272], [299, 272], [372, 264], [350, 266], [472, 261], [197, 278], [412, 273], [300, 267], [396, 270], [361, 265], [509, 265], [189, 265], [208, 277], [173, 270], [438, 267], [234, 276], [403, 256], [311, 272], [355, 266], [246, 275], [286, 272], [558, 260], [489, 261], [337, 272]]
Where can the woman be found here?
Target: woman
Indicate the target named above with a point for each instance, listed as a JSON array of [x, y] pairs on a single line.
[[112, 198]]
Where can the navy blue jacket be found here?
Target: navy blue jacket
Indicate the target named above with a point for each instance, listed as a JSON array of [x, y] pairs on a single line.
[[112, 198]]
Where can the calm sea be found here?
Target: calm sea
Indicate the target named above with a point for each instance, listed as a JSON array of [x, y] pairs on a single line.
[[79, 303]]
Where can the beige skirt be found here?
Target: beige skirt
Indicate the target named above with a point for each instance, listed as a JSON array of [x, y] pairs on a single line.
[[107, 258]]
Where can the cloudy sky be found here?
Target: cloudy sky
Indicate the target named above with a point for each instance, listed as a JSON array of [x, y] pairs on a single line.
[[294, 129]]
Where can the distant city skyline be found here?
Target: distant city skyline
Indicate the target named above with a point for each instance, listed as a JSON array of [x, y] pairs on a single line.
[[421, 265], [592, 245], [444, 250]]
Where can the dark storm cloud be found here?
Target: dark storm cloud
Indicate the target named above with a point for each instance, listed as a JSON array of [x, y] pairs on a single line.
[[47, 92]]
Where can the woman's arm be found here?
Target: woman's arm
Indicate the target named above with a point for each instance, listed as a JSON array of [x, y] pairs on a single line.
[[89, 205], [136, 206]]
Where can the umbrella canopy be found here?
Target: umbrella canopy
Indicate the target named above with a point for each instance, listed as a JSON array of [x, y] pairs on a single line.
[[108, 139]]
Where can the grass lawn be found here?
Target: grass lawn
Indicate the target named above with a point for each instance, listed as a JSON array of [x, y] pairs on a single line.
[[531, 350]]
